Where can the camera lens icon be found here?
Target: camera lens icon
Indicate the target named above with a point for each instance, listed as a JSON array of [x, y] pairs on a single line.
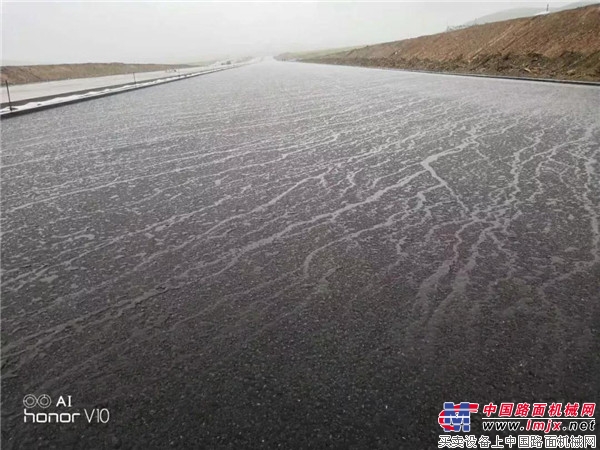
[[31, 401], [44, 401]]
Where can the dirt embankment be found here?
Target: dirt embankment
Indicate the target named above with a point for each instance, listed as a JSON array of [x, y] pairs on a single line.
[[53, 72], [563, 45]]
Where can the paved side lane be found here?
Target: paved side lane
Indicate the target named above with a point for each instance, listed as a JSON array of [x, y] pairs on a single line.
[[21, 92]]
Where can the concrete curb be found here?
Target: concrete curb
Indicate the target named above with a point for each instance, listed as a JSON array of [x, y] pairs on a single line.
[[79, 92], [21, 112], [477, 75]]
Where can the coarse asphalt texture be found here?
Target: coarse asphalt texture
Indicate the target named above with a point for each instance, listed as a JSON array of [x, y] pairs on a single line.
[[290, 255]]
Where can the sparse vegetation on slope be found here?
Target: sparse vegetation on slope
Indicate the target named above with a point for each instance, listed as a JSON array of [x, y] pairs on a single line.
[[295, 56], [53, 72], [563, 45]]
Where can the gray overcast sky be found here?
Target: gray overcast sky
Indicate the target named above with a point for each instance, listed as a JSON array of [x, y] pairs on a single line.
[[61, 32]]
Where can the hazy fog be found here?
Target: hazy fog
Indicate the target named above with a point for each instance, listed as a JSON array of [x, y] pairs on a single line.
[[188, 32]]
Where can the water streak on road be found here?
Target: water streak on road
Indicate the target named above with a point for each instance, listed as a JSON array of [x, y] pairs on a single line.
[[293, 254]]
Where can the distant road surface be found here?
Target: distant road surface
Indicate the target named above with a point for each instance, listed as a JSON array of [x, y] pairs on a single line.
[[21, 92], [290, 256]]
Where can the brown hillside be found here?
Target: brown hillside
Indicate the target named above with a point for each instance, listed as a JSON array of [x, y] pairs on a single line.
[[559, 45], [53, 72]]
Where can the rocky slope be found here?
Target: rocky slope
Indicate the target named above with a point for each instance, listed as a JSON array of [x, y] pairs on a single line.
[[562, 45], [53, 72]]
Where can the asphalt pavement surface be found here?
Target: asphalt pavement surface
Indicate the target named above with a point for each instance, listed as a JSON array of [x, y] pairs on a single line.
[[290, 255]]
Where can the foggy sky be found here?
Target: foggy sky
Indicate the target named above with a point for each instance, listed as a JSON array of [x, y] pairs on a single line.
[[38, 33]]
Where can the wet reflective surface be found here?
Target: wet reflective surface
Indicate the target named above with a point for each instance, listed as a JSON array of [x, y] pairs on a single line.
[[300, 256]]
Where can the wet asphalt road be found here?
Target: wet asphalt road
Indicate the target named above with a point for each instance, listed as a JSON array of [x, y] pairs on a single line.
[[289, 255]]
